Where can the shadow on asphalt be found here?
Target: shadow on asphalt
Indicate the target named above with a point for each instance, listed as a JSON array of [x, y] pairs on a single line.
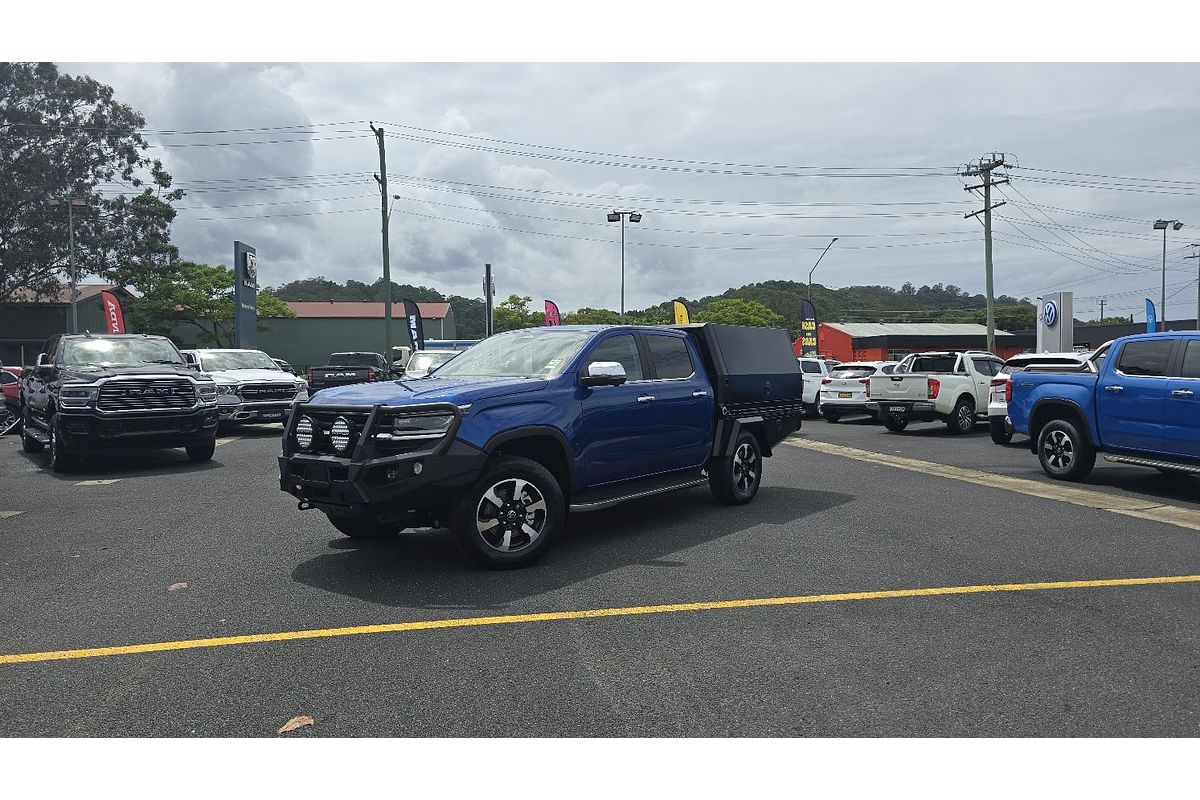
[[122, 464], [424, 569]]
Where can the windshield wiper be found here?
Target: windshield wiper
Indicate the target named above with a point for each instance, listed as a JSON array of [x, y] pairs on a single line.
[[160, 361]]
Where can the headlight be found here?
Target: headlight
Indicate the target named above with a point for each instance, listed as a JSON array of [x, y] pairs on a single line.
[[207, 390], [301, 386], [77, 396], [424, 423], [227, 388], [339, 434], [304, 432]]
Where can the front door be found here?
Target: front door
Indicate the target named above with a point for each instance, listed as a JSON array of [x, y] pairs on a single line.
[[1130, 397]]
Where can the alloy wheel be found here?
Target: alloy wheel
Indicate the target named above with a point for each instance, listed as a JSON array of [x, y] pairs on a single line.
[[511, 515], [745, 468], [1059, 451]]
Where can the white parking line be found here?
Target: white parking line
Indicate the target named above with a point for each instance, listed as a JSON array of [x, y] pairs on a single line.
[[7, 514], [226, 440], [100, 482], [1064, 493]]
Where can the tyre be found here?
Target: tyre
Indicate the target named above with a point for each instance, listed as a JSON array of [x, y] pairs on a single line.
[[201, 452], [362, 528], [1064, 452], [61, 459], [812, 409], [512, 514], [894, 424], [999, 431], [962, 418], [735, 480], [28, 443], [830, 416]]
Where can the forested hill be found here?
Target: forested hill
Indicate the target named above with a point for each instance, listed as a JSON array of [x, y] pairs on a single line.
[[937, 303]]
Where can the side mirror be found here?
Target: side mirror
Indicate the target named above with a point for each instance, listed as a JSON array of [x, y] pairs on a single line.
[[602, 373], [193, 366]]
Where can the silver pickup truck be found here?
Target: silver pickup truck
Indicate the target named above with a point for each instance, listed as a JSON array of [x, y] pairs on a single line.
[[926, 387]]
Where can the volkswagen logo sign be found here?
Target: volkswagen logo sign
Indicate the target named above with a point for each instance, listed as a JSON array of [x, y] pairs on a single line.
[[1050, 314]]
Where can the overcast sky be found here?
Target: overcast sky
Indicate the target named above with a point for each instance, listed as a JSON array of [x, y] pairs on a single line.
[[505, 180]]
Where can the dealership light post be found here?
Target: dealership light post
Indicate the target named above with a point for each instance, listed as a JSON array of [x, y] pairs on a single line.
[[814, 269], [1162, 225], [71, 205], [619, 216]]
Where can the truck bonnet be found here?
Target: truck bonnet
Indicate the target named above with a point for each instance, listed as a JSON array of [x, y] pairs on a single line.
[[459, 391]]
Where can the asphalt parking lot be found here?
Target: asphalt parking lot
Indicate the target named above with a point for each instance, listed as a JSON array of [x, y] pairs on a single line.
[[1029, 631]]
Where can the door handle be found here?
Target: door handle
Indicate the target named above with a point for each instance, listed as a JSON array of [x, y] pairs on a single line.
[[1181, 393], [646, 398], [1114, 388], [699, 394]]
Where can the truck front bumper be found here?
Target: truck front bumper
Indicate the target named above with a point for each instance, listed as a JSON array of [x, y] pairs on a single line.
[[266, 411], [85, 430]]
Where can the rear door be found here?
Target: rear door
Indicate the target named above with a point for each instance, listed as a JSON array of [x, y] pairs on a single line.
[[984, 369], [1181, 415], [1131, 396], [682, 407]]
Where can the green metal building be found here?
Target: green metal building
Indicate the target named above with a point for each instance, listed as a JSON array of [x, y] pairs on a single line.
[[28, 322]]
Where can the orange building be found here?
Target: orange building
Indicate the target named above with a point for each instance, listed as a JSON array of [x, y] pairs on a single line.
[[884, 341]]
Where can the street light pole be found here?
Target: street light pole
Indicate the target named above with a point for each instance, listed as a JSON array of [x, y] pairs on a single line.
[[1162, 225], [814, 269], [619, 216]]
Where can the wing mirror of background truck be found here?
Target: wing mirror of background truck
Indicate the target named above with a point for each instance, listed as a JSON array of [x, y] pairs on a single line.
[[602, 373]]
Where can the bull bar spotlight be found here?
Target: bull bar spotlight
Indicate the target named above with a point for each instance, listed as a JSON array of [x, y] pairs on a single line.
[[304, 432], [339, 434]]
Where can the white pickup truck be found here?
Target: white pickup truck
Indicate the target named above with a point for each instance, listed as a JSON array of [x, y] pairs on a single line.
[[948, 386]]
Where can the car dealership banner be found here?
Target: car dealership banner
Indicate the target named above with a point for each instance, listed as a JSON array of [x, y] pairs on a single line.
[[552, 316], [681, 313], [808, 329], [114, 320], [245, 296], [416, 335]]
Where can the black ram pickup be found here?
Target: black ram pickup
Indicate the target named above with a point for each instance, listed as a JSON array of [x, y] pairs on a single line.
[[348, 368], [92, 393]]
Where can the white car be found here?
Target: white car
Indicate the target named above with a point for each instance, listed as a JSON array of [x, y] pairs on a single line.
[[950, 386], [1001, 386], [845, 391], [251, 387], [814, 371]]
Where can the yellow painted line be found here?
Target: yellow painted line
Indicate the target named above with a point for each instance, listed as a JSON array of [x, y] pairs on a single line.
[[1063, 492], [556, 616]]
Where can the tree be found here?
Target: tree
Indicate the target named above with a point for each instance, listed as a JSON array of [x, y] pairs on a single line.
[[199, 295], [514, 314], [61, 138], [735, 311], [592, 316]]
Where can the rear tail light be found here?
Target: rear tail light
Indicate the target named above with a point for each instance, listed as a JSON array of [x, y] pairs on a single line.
[[934, 387], [308, 377], [826, 381], [1008, 391], [866, 382], [370, 374]]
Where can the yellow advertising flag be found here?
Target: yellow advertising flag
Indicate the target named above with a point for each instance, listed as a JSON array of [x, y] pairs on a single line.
[[681, 314]]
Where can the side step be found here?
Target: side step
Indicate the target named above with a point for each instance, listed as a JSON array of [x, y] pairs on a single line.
[[37, 434], [1151, 462], [601, 499]]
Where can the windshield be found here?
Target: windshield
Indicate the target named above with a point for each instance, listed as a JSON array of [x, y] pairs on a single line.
[[423, 362], [77, 352], [852, 372], [243, 359], [521, 354]]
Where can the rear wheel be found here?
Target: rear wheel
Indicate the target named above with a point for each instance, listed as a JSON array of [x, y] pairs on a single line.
[[511, 515], [830, 416], [962, 419], [1064, 452], [892, 423], [362, 528], [999, 431], [735, 480]]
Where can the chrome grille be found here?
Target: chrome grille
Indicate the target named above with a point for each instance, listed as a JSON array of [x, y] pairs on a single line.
[[257, 392], [146, 393]]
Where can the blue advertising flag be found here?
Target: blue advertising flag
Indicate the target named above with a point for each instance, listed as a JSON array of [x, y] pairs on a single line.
[[1151, 323]]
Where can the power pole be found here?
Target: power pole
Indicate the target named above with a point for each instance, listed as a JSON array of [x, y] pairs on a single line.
[[489, 293], [1196, 255], [381, 179], [983, 168], [1102, 302]]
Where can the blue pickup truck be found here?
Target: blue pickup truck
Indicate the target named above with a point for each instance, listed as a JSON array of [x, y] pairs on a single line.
[[1137, 400], [500, 443]]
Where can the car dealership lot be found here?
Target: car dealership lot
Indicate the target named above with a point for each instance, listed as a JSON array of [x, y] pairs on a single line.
[[95, 559]]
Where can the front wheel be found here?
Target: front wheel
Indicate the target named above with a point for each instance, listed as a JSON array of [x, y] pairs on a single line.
[[61, 460], [962, 419], [894, 424], [999, 431], [511, 515], [201, 452], [734, 481], [1064, 452]]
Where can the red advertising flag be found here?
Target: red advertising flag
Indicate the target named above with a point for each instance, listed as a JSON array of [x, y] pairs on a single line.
[[552, 317], [114, 320]]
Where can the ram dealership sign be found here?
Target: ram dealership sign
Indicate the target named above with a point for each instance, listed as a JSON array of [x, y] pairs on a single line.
[[245, 296]]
